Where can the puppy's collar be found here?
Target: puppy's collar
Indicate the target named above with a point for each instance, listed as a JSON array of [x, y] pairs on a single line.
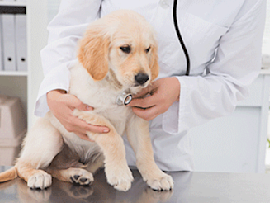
[[124, 98]]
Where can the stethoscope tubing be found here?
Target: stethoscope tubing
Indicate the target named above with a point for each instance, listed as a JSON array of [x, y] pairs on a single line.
[[180, 36]]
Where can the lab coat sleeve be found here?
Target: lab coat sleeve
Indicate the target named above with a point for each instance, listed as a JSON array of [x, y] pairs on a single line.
[[65, 30], [237, 64]]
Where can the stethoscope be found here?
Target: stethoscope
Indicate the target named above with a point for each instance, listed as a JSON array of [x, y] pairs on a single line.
[[125, 98], [180, 36]]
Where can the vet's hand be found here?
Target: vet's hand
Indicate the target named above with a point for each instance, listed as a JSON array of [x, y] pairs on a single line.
[[62, 106], [163, 93]]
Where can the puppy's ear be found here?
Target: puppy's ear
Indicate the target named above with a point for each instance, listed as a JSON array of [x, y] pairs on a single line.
[[154, 62], [93, 52]]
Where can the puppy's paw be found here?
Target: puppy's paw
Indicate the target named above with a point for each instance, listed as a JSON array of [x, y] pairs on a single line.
[[40, 180], [80, 176], [82, 180], [160, 182], [119, 177]]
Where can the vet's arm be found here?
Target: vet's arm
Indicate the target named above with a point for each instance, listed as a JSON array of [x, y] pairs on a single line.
[[65, 30], [62, 105]]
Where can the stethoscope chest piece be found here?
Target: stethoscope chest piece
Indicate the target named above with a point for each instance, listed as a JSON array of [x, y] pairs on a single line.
[[123, 99]]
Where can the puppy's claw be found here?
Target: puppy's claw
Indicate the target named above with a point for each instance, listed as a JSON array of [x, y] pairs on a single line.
[[76, 177], [120, 179], [164, 183], [123, 186], [39, 181], [85, 179]]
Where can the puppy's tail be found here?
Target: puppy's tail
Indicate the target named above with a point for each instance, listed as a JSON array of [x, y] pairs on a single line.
[[8, 175]]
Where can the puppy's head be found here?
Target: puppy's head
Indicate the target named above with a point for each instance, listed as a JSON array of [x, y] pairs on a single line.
[[122, 46]]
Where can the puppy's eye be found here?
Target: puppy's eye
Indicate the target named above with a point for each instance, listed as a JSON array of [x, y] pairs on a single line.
[[125, 49], [147, 50]]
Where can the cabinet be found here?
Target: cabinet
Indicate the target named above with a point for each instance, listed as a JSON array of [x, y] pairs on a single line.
[[236, 143], [24, 84]]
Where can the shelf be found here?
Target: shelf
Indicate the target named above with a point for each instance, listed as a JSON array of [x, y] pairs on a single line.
[[10, 3], [265, 71], [8, 73]]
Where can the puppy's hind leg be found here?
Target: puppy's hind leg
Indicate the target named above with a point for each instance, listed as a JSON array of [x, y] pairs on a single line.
[[41, 145], [78, 176], [65, 167]]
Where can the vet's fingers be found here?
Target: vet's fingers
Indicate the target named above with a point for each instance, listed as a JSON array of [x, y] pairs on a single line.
[[144, 102], [146, 114], [142, 93], [98, 129], [147, 90], [84, 107], [73, 102], [84, 127]]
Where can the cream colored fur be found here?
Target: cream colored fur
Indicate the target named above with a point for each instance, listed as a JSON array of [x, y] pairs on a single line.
[[103, 72]]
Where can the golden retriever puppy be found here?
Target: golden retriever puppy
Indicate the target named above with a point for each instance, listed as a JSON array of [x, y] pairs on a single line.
[[116, 56]]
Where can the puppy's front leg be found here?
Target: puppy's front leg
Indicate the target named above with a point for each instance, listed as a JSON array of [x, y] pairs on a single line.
[[112, 145], [138, 135]]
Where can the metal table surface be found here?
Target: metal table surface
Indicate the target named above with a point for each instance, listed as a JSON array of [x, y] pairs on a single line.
[[189, 187]]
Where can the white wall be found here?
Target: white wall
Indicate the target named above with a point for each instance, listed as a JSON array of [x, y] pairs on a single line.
[[52, 8], [37, 28], [266, 41]]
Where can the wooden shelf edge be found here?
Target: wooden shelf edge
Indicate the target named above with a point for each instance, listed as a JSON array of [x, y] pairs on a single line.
[[8, 73]]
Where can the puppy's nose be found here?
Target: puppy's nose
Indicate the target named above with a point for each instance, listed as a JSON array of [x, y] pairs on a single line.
[[141, 78]]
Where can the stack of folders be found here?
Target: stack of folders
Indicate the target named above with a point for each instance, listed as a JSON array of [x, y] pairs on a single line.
[[13, 42]]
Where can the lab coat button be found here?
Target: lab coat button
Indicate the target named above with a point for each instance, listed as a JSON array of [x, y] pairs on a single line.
[[164, 4]]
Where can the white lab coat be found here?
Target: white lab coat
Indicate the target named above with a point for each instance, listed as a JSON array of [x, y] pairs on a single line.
[[224, 37]]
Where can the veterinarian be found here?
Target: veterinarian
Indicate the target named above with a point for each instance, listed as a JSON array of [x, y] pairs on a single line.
[[223, 40]]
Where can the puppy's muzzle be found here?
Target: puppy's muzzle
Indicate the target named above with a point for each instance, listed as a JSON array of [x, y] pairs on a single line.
[[141, 78]]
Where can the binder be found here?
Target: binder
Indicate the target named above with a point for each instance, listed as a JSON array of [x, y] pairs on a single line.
[[8, 36], [1, 46], [21, 52]]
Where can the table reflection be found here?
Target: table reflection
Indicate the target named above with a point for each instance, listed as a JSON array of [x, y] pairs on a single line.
[[100, 191]]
